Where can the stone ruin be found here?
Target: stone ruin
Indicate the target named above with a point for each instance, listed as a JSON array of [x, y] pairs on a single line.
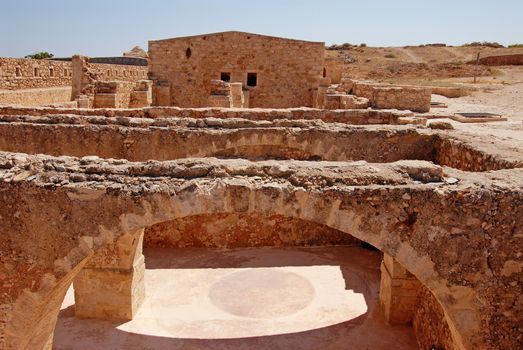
[[83, 190]]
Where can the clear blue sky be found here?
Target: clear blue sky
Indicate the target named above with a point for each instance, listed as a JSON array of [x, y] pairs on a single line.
[[110, 27]]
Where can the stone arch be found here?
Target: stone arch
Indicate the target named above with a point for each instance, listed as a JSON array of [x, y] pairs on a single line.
[[327, 207]]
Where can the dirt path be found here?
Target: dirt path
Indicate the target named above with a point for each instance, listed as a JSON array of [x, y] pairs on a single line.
[[413, 57]]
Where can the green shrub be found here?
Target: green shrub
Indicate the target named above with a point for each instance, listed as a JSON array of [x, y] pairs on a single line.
[[40, 55]]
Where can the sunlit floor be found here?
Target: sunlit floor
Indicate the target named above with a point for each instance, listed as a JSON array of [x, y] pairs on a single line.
[[264, 298]]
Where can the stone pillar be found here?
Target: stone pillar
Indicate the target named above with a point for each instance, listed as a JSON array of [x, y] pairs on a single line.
[[142, 96], [111, 286], [237, 95], [220, 94], [77, 64], [398, 292], [161, 93]]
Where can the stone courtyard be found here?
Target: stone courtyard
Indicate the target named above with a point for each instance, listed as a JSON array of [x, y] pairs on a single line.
[[252, 202]]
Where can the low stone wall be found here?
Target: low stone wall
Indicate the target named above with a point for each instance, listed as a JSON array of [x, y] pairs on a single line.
[[363, 89], [333, 69], [23, 73], [36, 97], [502, 60], [416, 99], [86, 75], [450, 92], [402, 97], [347, 116], [112, 94], [105, 71]]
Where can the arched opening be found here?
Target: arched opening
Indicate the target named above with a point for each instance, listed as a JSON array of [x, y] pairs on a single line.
[[209, 201], [325, 72], [286, 281]]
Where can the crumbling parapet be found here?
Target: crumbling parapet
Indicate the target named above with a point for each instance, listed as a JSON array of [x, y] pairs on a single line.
[[336, 100], [83, 79], [398, 292], [141, 96], [111, 286], [385, 96], [237, 96], [220, 94], [112, 94]]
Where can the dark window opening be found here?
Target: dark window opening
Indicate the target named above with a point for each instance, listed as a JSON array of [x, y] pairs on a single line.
[[36, 73], [188, 52], [18, 72], [225, 76], [252, 79], [325, 72], [51, 72]]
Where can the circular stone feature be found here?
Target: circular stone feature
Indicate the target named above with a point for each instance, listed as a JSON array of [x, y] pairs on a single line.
[[262, 293]]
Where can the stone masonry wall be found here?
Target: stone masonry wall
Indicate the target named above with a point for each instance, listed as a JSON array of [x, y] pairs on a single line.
[[86, 75], [287, 71], [242, 230], [402, 97], [23, 73], [105, 71], [432, 332], [36, 97], [416, 99]]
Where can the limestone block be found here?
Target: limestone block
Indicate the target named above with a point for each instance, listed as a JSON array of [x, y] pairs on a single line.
[[110, 294], [162, 94], [416, 99], [105, 100], [111, 286], [398, 292], [220, 101], [141, 99]]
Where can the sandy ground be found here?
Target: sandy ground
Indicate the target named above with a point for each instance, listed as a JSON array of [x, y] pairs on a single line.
[[505, 99], [265, 298]]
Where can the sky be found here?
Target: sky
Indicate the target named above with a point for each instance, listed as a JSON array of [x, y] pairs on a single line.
[[110, 27]]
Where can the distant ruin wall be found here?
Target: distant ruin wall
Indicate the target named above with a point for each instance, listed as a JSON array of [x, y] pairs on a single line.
[[86, 74], [402, 97], [106, 71], [502, 60], [23, 73], [36, 97]]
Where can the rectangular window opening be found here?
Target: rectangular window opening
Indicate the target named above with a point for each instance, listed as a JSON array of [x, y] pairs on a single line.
[[252, 79], [225, 76]]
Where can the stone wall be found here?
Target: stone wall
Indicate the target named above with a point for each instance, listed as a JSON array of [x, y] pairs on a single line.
[[416, 99], [501, 60], [349, 116], [432, 332], [242, 230], [172, 138], [36, 97], [441, 232], [23, 73], [287, 71], [333, 69], [105, 71], [86, 74], [112, 94], [402, 97]]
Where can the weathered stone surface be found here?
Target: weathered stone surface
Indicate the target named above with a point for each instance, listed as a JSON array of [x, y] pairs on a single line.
[[287, 71], [441, 233]]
